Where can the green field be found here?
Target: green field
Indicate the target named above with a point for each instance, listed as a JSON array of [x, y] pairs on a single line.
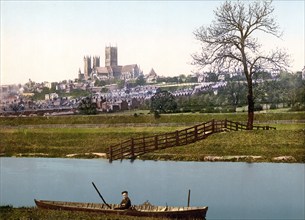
[[61, 136], [143, 117]]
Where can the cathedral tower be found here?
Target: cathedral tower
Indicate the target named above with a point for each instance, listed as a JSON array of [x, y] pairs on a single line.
[[111, 56], [96, 62], [87, 67]]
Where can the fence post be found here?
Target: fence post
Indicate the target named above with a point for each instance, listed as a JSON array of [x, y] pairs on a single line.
[[121, 151], [236, 126], [110, 154], [196, 133], [213, 125], [177, 138], [144, 145], [156, 142], [225, 125], [132, 147]]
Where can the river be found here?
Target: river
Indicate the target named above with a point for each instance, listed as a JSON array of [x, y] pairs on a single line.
[[231, 190]]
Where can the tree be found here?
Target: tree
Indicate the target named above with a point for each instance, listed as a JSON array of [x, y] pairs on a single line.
[[230, 43], [163, 102], [100, 83], [87, 107], [234, 92], [140, 81]]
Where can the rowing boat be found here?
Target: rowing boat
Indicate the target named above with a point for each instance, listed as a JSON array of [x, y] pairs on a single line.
[[144, 210]]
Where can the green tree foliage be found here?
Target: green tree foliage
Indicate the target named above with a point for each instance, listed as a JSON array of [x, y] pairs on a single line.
[[87, 107], [41, 95], [140, 81], [286, 90], [100, 83], [174, 79], [163, 102]]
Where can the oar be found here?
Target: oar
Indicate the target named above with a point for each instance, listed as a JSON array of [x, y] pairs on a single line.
[[101, 195], [189, 198]]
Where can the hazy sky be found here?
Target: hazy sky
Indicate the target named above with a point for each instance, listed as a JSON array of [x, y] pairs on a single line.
[[47, 40]]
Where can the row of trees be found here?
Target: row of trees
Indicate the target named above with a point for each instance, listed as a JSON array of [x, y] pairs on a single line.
[[287, 90]]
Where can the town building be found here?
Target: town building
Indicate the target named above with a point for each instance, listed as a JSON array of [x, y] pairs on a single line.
[[151, 77]]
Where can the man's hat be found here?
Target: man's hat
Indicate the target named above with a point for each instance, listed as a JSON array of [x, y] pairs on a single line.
[[124, 192]]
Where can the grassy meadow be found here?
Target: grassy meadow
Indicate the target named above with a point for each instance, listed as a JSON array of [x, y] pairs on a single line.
[[64, 135], [142, 117]]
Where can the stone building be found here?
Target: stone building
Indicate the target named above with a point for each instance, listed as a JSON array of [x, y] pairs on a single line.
[[96, 62], [111, 56], [151, 76], [87, 67], [111, 70]]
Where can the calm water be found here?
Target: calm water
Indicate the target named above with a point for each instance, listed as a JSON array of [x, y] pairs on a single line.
[[231, 190]]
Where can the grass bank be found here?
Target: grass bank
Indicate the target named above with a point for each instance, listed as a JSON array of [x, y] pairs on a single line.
[[249, 146], [287, 140], [10, 213], [59, 136]]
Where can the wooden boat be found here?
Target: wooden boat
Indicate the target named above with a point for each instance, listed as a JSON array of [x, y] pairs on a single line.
[[144, 210]]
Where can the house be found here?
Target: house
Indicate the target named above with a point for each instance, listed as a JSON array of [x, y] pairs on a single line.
[[151, 76]]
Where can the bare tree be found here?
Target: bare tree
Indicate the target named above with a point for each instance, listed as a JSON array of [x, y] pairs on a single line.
[[230, 43]]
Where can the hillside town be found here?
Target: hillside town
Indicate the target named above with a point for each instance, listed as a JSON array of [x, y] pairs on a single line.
[[112, 88]]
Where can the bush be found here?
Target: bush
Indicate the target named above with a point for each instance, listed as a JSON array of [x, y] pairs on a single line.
[[157, 114], [229, 110], [273, 106], [258, 107], [297, 108]]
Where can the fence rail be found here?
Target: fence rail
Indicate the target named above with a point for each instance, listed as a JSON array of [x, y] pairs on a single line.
[[134, 147]]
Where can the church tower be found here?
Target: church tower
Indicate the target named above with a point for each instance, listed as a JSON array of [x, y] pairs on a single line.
[[96, 62], [111, 56], [87, 67]]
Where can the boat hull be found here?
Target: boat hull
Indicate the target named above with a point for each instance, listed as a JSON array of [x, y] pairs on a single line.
[[140, 210]]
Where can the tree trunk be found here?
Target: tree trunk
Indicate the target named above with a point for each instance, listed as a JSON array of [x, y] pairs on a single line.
[[250, 106]]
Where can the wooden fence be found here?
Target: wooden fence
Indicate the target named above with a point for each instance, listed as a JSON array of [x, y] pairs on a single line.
[[134, 147]]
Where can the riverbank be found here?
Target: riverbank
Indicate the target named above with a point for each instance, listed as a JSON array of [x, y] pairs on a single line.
[[79, 137], [10, 213], [239, 146]]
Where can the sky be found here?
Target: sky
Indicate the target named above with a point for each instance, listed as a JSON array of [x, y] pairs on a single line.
[[47, 40]]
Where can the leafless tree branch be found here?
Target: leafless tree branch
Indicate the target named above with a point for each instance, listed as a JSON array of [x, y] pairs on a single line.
[[229, 42]]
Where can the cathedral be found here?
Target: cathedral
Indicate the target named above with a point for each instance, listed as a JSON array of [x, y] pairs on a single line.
[[111, 70]]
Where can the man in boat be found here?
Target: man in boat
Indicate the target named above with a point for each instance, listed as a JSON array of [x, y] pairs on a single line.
[[125, 203]]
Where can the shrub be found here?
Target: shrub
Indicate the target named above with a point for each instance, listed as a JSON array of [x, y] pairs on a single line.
[[258, 107], [273, 106], [297, 108]]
